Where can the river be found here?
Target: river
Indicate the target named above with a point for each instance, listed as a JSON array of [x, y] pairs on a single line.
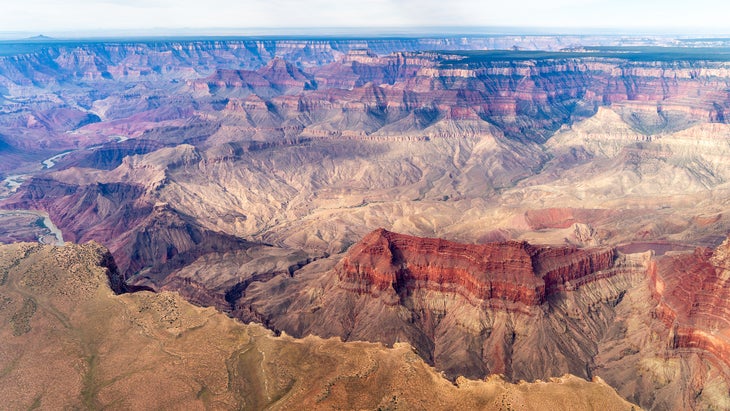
[[50, 162], [54, 231], [13, 182]]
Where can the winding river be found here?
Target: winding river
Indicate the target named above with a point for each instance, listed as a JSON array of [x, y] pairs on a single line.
[[13, 182], [50, 162], [54, 231]]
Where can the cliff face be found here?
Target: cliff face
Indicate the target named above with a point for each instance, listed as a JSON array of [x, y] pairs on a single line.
[[693, 292], [470, 309], [144, 59], [521, 310], [141, 235], [110, 156], [336, 87], [512, 271]]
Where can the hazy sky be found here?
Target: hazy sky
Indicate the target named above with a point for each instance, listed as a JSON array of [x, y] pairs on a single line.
[[49, 16]]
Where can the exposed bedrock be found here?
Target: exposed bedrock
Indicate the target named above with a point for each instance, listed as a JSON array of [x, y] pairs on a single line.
[[111, 155], [522, 310], [693, 290], [69, 343], [147, 240], [515, 272], [469, 309]]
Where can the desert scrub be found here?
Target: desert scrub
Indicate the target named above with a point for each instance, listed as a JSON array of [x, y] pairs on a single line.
[[21, 319]]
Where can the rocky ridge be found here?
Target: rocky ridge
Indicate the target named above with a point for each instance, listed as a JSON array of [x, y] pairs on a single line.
[[519, 310], [470, 309], [68, 341]]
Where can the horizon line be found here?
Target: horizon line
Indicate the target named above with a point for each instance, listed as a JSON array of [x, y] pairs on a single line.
[[360, 31]]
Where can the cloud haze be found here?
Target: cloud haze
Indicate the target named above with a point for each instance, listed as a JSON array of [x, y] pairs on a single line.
[[47, 15]]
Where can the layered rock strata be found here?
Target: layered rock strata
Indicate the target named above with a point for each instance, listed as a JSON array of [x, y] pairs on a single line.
[[470, 309], [693, 292], [521, 310], [513, 272], [69, 342]]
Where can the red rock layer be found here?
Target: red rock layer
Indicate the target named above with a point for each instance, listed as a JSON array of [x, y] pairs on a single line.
[[693, 293], [511, 271]]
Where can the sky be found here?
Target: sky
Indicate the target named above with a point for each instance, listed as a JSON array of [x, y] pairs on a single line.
[[80, 16]]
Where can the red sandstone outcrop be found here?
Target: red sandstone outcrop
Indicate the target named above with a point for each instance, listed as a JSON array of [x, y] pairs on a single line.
[[514, 271], [522, 310], [693, 295], [471, 309], [277, 77]]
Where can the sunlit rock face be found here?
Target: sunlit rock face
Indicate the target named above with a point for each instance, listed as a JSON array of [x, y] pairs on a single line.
[[692, 294], [514, 272], [520, 310], [470, 309]]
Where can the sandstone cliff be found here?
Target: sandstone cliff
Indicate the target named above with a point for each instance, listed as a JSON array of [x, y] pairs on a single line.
[[470, 309]]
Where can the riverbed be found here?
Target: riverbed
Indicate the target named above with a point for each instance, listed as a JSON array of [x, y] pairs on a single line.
[[48, 234], [11, 183]]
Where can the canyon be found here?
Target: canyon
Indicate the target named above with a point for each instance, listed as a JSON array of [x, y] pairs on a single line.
[[523, 206], [69, 341], [638, 321]]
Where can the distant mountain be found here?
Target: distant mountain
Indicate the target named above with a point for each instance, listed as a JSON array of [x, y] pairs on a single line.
[[39, 37]]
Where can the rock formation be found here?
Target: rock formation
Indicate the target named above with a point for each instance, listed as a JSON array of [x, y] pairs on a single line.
[[693, 298], [470, 309], [510, 272], [69, 342], [520, 310]]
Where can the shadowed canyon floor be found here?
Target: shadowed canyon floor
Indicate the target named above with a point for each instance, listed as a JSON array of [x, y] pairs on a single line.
[[561, 209], [70, 342]]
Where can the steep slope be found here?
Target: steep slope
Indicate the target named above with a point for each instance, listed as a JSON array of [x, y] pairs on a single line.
[[470, 309], [238, 173], [520, 310], [422, 143], [69, 342]]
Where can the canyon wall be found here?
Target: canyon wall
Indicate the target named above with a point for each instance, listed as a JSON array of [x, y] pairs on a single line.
[[68, 341], [520, 310]]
